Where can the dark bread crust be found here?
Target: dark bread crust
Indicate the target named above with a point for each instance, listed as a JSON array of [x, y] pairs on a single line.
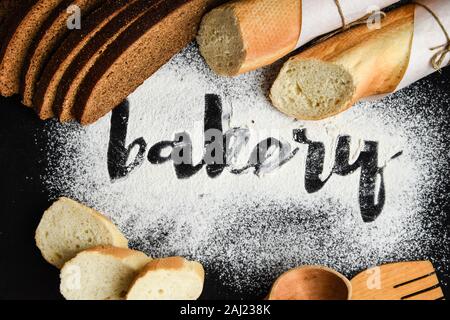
[[127, 64], [11, 23], [44, 95], [20, 37], [12, 15], [68, 86], [51, 34]]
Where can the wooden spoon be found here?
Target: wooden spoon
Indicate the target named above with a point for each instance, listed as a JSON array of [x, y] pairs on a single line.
[[311, 283]]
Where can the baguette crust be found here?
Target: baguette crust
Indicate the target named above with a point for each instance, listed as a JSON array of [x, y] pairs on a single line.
[[133, 258], [101, 273], [362, 51], [376, 60], [264, 40], [174, 273], [172, 263]]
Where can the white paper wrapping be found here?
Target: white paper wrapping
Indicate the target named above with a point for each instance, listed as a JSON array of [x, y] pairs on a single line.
[[320, 17], [427, 34]]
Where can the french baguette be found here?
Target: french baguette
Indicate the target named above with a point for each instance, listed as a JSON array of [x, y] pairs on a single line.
[[330, 77], [241, 36], [244, 35], [68, 227], [101, 273], [172, 278]]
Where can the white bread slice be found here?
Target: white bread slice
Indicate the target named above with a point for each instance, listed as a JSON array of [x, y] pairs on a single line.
[[330, 77], [101, 273], [68, 227], [172, 278]]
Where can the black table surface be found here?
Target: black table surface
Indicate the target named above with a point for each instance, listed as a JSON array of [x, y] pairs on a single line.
[[23, 272]]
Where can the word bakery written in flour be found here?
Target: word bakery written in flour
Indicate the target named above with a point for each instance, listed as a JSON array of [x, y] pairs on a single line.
[[223, 148]]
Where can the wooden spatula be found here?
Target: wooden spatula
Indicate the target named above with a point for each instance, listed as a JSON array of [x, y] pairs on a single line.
[[398, 281]]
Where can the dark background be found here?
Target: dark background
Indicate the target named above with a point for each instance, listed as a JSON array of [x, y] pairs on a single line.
[[23, 272]]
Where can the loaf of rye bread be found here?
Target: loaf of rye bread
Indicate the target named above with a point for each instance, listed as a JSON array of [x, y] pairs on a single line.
[[330, 77], [136, 54], [80, 66], [45, 92], [22, 28], [51, 34]]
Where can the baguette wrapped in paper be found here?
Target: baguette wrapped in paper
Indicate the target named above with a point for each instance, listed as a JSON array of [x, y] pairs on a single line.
[[364, 63], [244, 35]]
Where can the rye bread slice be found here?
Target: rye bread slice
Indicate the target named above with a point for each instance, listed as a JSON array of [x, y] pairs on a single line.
[[68, 86], [18, 41], [44, 95], [136, 54], [51, 34]]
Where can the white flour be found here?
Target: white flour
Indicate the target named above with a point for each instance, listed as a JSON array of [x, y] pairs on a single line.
[[247, 228]]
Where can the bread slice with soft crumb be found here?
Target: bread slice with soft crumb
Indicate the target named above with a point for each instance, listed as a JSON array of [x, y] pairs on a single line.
[[172, 278], [330, 77], [101, 273], [68, 227]]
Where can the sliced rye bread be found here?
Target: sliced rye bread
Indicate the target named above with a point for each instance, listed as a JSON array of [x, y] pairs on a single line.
[[101, 273], [75, 73], [18, 41], [51, 34], [69, 49], [136, 54], [68, 227], [14, 13], [172, 278]]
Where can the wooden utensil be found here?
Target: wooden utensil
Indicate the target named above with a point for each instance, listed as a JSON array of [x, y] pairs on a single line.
[[398, 281], [311, 283]]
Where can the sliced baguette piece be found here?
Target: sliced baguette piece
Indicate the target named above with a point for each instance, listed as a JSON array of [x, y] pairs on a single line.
[[69, 227], [79, 67], [330, 77], [101, 273], [241, 36], [172, 278], [17, 42], [46, 88], [136, 54], [51, 34]]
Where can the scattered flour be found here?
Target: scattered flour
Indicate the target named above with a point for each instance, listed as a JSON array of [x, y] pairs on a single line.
[[245, 228]]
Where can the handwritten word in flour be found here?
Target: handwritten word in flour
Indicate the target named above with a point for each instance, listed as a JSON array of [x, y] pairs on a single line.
[[221, 149]]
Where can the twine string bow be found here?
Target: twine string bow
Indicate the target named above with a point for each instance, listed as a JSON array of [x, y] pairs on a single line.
[[438, 58], [346, 26]]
